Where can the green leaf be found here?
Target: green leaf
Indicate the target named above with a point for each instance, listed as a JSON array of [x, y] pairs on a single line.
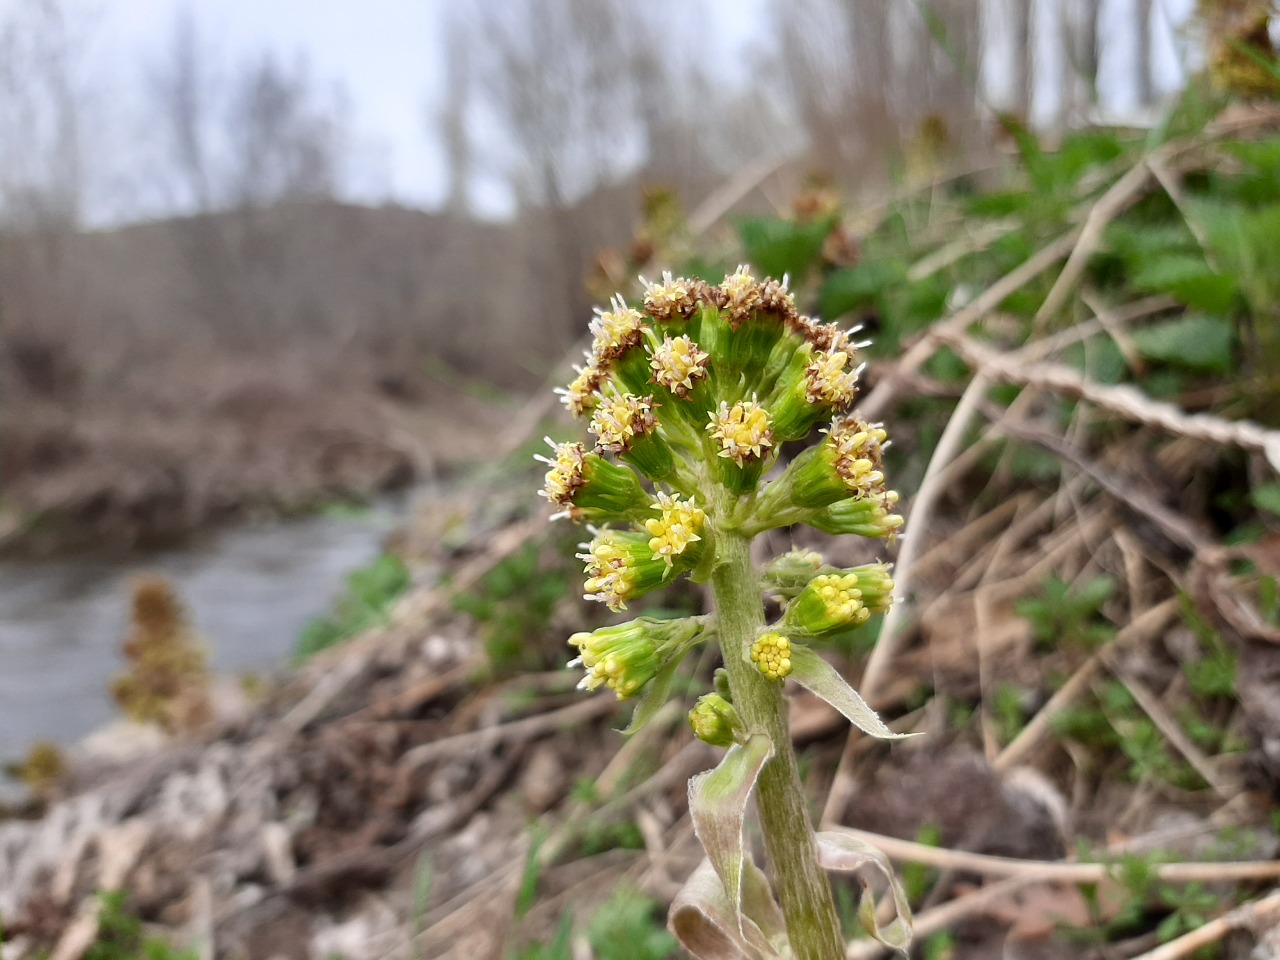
[[624, 927], [859, 287], [1243, 241], [1194, 341], [821, 678], [999, 203], [1141, 243], [718, 806], [1267, 497], [775, 247], [1261, 184], [1188, 279], [845, 853], [531, 874]]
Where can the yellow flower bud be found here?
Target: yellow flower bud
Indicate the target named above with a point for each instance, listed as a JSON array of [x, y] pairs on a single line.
[[771, 654]]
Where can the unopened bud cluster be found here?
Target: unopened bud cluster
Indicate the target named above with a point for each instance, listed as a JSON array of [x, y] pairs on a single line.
[[690, 397]]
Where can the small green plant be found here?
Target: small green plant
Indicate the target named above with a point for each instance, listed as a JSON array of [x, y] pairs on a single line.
[[370, 593], [627, 927], [940, 946], [1009, 707], [1190, 908], [514, 602], [1069, 613], [624, 927], [1146, 903], [527, 892], [1214, 674], [917, 879], [1113, 720], [121, 935], [560, 947], [691, 399]]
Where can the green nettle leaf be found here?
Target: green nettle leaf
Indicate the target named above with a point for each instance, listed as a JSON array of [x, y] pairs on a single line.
[[821, 678], [859, 287], [844, 853], [777, 247], [999, 203], [1194, 341], [1243, 240], [718, 805], [1140, 244], [1189, 279]]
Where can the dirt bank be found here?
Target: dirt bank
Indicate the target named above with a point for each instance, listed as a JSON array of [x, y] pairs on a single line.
[[192, 441]]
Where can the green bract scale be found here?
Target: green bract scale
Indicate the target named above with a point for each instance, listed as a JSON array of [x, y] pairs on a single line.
[[717, 412]]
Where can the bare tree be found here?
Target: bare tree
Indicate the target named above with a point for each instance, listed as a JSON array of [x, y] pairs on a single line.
[[286, 139], [558, 78], [1080, 34], [184, 94], [1019, 16], [239, 149], [450, 118], [1143, 79], [42, 169]]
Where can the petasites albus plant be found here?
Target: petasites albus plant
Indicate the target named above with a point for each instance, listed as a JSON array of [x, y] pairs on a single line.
[[690, 399]]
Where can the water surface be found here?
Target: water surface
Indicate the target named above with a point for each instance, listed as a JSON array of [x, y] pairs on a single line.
[[249, 591]]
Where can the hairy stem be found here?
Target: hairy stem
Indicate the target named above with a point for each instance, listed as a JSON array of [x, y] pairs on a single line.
[[803, 888]]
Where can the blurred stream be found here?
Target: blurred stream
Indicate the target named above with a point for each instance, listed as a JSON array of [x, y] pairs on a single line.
[[248, 590]]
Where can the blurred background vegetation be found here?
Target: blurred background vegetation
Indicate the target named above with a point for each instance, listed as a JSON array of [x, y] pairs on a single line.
[[210, 299]]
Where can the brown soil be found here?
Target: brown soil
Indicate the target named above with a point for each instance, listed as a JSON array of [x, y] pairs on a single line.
[[204, 442], [304, 828]]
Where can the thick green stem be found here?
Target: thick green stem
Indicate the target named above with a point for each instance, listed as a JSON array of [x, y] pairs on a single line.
[[803, 888]]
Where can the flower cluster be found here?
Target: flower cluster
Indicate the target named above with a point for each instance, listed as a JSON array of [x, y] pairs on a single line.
[[690, 397], [627, 656], [693, 398]]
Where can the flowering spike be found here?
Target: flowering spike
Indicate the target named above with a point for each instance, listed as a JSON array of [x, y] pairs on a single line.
[[875, 583], [669, 300], [829, 602], [698, 390], [678, 364], [775, 298], [791, 572], [580, 396], [858, 460], [743, 431], [615, 330], [589, 488], [830, 381], [863, 517], [678, 527], [742, 294], [618, 420], [627, 656]]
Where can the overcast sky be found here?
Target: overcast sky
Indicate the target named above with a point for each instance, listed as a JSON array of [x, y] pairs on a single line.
[[386, 56]]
